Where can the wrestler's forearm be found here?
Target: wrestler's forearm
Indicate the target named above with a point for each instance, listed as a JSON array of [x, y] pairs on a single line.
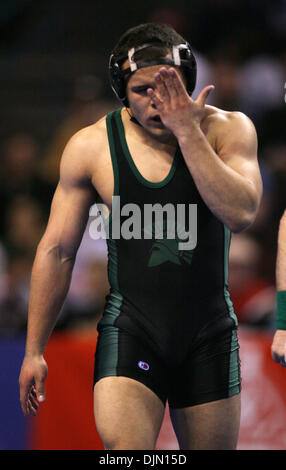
[[50, 281], [228, 195], [281, 255]]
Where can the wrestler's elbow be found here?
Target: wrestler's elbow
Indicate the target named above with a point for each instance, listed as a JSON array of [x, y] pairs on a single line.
[[243, 220], [248, 210], [239, 225]]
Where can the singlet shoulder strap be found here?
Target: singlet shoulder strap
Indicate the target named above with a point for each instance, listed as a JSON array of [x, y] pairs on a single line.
[[112, 139], [121, 168]]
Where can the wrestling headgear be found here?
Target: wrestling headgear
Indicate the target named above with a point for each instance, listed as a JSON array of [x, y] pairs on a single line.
[[182, 56]]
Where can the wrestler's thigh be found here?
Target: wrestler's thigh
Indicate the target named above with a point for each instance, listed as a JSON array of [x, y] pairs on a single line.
[[209, 426], [128, 414]]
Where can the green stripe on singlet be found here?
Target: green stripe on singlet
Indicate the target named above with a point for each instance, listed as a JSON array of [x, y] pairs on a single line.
[[234, 365], [108, 340], [227, 237]]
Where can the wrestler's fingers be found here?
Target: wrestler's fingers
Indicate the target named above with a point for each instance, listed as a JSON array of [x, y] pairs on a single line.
[[279, 358], [178, 83], [275, 357], [32, 409], [33, 398], [161, 86], [167, 80], [25, 387], [155, 98], [40, 387], [283, 360], [201, 99], [24, 406]]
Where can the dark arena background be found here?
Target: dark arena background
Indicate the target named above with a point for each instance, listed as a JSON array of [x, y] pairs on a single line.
[[54, 81]]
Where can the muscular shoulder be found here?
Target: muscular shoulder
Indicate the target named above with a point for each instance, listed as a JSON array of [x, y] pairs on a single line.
[[84, 150], [224, 126], [89, 141]]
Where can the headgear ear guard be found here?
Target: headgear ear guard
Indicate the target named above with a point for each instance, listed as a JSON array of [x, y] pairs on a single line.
[[182, 56]]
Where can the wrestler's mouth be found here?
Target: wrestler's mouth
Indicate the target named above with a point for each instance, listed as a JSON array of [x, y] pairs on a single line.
[[156, 118], [156, 121]]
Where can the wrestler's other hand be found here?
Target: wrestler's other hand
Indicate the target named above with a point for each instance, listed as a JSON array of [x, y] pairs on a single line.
[[32, 383], [278, 347]]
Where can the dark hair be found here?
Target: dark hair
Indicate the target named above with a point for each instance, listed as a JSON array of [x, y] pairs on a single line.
[[163, 39], [148, 33]]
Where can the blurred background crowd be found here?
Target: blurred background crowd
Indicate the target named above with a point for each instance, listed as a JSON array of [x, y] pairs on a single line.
[[54, 81]]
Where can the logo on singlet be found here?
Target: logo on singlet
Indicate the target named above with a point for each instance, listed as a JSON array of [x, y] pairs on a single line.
[[166, 248], [173, 226], [143, 365]]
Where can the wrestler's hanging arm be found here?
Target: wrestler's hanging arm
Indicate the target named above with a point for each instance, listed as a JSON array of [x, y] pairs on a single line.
[[53, 265], [228, 179]]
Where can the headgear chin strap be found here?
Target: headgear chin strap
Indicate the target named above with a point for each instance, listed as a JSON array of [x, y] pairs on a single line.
[[182, 56]]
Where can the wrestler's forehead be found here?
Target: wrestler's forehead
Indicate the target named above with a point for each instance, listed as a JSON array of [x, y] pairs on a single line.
[[147, 73]]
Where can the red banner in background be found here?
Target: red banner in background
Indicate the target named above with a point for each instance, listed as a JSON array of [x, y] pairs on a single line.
[[65, 421]]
